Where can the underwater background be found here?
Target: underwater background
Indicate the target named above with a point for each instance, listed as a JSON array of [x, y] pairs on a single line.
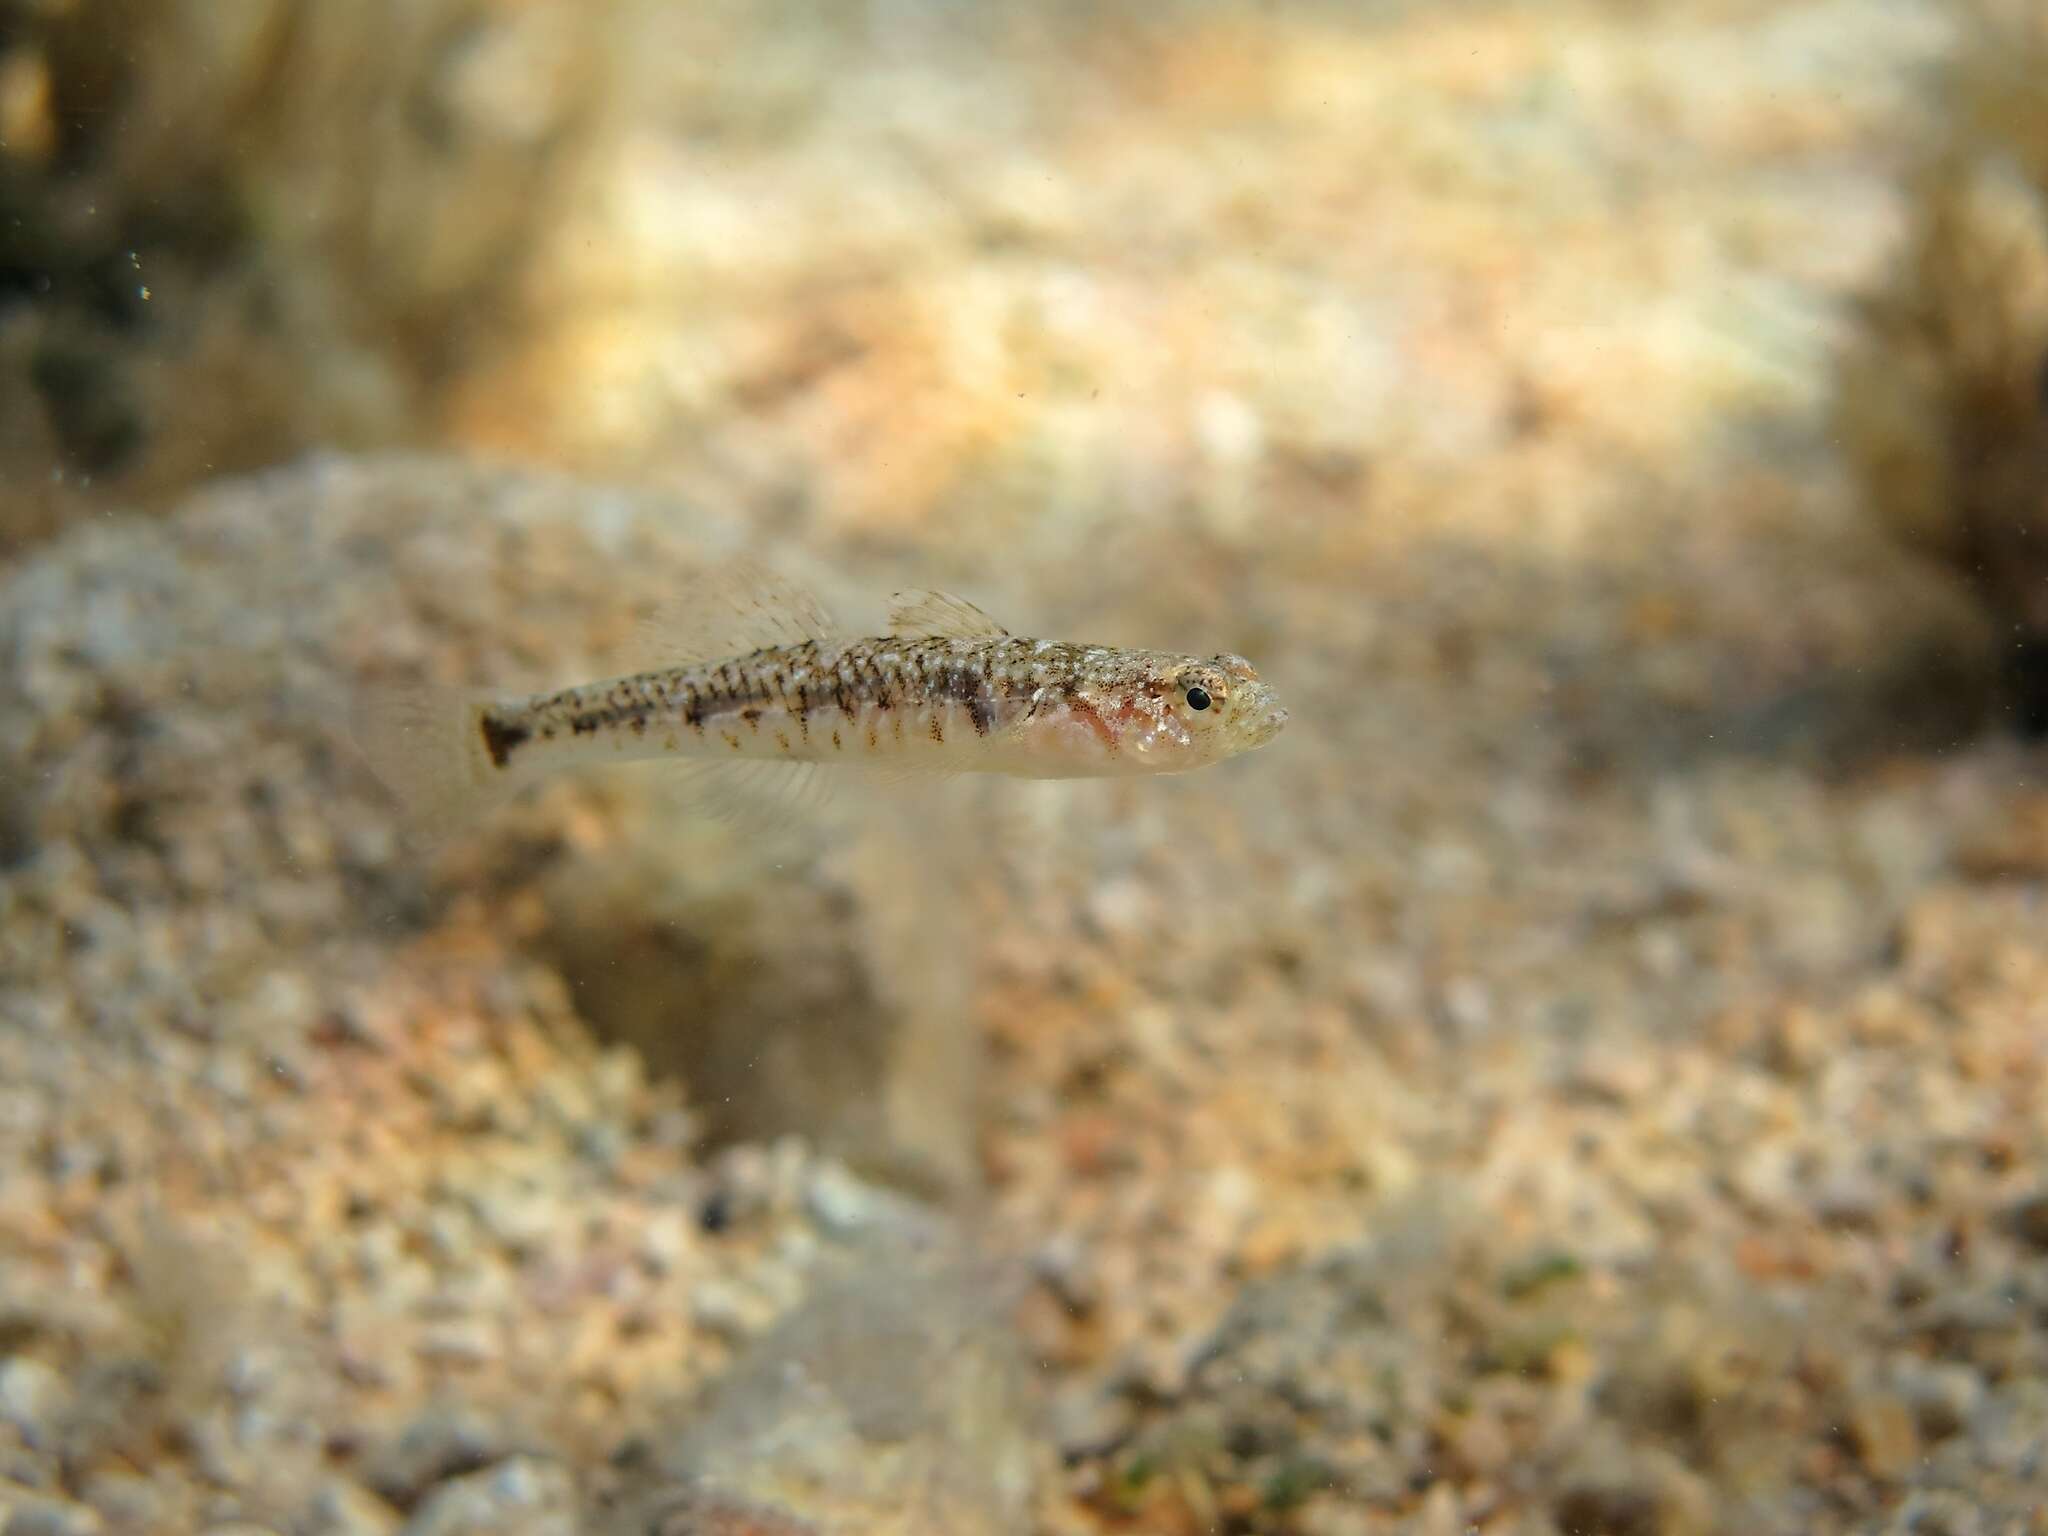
[[1588, 1075]]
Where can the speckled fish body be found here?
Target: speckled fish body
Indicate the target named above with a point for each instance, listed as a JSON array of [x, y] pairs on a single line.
[[947, 690], [1030, 708]]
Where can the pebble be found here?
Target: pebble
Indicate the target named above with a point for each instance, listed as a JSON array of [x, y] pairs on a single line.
[[1887, 1443], [1945, 1397], [1938, 1514], [840, 1204], [1087, 1420], [469, 1341], [40, 1515], [729, 1311], [128, 1502], [343, 1509], [31, 1394], [2028, 1221], [522, 1496], [445, 1441]]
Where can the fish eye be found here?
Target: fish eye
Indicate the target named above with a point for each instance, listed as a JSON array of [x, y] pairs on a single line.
[[1198, 697]]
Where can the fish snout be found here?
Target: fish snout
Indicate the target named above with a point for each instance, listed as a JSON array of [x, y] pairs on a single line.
[[1264, 718]]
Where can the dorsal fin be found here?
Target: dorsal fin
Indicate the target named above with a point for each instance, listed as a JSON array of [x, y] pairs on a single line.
[[728, 610], [919, 614]]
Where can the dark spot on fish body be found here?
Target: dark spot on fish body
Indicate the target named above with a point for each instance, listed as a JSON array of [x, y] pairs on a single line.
[[693, 709], [502, 738], [938, 730], [753, 718], [835, 739], [963, 684], [639, 725], [585, 724], [877, 683], [781, 742]]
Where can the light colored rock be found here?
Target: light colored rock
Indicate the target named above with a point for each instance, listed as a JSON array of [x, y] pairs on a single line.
[[343, 1508], [32, 1514], [892, 1394], [32, 1394], [523, 1496]]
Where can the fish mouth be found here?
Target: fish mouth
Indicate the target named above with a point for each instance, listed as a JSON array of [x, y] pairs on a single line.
[[1264, 724]]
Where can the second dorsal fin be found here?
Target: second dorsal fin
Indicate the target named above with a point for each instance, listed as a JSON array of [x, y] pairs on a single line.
[[919, 614]]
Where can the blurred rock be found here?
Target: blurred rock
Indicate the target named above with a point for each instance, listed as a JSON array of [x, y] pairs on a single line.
[[343, 1509], [1943, 393], [891, 1400], [1886, 1439], [2028, 1220], [32, 1396], [520, 1497], [445, 1442], [200, 283]]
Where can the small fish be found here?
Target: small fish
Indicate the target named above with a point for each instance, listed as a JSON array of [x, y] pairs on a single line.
[[768, 680]]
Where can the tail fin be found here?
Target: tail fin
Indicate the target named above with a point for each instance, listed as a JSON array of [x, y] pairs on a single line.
[[427, 745]]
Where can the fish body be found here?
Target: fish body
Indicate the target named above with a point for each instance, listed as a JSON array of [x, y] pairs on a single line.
[[946, 691]]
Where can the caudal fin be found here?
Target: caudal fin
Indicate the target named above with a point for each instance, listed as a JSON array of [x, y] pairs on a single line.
[[427, 745]]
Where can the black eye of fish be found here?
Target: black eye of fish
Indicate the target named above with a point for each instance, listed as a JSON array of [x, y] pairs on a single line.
[[1198, 698]]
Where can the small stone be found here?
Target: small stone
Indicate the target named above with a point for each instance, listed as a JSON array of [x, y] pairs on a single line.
[[517, 1217], [1848, 1202], [663, 1242], [1609, 1509], [1088, 1421], [724, 1309], [522, 1496], [1944, 1398], [1938, 1513], [468, 1341], [689, 1511], [1068, 1270], [1886, 1440], [127, 1502], [441, 1443], [45, 1516], [31, 1394], [2028, 1221], [838, 1202], [344, 1509]]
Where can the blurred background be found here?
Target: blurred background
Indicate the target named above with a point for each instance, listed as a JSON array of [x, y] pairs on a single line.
[[1586, 1077]]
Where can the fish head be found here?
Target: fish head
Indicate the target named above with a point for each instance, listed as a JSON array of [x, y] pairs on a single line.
[[1182, 712]]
